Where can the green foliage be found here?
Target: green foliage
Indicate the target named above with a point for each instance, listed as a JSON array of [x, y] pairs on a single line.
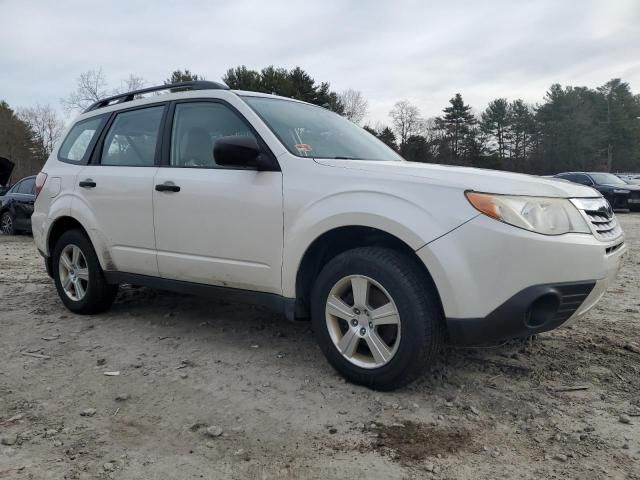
[[385, 135], [574, 128], [622, 122], [458, 143], [494, 121], [179, 76], [417, 149], [294, 83], [19, 144], [571, 128]]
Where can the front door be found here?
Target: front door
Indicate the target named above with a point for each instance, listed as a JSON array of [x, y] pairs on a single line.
[[216, 225], [117, 189]]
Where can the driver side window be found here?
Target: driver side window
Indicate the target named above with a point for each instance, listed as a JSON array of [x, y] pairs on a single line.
[[196, 127]]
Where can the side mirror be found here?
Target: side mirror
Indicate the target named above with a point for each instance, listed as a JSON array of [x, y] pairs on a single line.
[[239, 151]]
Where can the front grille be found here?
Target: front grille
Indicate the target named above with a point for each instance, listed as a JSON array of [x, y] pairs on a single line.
[[605, 227], [571, 297]]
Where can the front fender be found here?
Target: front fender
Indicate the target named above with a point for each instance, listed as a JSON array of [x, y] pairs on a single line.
[[398, 216]]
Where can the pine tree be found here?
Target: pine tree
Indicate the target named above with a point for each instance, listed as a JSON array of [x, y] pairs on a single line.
[[178, 76], [622, 125], [387, 136], [457, 123], [495, 122]]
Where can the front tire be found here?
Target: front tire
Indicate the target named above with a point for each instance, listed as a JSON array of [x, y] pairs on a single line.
[[376, 317], [7, 224], [78, 276]]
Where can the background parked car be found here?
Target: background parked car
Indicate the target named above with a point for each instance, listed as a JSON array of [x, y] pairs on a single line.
[[6, 167], [631, 178], [17, 207], [4, 190], [620, 194]]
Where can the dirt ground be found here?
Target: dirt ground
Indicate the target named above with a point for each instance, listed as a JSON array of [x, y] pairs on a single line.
[[217, 390]]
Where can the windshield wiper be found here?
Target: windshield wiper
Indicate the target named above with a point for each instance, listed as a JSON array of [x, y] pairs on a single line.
[[346, 158]]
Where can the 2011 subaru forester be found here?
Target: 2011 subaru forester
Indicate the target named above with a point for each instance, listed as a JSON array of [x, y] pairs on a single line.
[[207, 190]]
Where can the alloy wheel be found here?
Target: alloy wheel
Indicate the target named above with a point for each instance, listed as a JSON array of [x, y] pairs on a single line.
[[6, 224], [363, 321], [74, 272]]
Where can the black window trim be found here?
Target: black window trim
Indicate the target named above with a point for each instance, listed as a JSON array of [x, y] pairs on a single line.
[[165, 160], [96, 155], [94, 140]]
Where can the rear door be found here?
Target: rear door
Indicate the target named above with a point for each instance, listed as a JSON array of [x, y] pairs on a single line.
[[216, 225], [116, 188]]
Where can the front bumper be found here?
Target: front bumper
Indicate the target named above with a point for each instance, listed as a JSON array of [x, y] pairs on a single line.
[[533, 310], [489, 276]]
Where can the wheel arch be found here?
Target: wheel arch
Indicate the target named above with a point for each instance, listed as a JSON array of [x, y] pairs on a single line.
[[65, 223], [336, 241]]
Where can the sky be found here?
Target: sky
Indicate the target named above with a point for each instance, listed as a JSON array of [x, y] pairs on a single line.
[[420, 51]]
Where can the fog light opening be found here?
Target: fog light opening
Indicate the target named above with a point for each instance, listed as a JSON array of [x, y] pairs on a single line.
[[542, 310]]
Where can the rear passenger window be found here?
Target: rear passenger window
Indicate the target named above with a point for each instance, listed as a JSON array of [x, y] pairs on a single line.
[[27, 186], [132, 138], [75, 146]]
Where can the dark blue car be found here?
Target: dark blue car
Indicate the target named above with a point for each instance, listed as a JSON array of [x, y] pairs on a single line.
[[17, 206]]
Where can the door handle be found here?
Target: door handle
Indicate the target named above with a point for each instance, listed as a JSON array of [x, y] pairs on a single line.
[[164, 187], [88, 183]]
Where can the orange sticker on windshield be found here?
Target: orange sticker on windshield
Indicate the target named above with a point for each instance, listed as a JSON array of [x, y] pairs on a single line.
[[303, 147]]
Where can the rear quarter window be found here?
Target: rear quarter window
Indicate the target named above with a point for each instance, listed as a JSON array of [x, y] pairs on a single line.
[[27, 186], [77, 146]]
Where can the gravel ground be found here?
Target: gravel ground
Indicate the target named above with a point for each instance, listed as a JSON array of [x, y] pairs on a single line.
[[211, 389]]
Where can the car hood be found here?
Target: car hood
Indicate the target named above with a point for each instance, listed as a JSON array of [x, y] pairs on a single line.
[[467, 178], [6, 167]]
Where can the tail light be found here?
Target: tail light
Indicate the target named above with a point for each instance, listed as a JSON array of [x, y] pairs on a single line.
[[40, 179]]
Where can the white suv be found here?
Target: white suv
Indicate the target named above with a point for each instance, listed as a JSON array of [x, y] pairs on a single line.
[[271, 200]]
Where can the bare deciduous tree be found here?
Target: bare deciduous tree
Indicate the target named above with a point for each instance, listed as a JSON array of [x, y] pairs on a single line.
[[355, 105], [91, 88], [132, 82], [45, 124], [406, 121]]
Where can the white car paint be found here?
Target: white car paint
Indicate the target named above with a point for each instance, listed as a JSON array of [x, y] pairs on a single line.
[[223, 228], [250, 230]]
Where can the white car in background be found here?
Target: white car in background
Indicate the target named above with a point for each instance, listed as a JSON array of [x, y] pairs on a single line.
[[283, 203]]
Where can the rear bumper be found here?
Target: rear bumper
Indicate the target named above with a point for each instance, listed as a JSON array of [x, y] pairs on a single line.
[[536, 309]]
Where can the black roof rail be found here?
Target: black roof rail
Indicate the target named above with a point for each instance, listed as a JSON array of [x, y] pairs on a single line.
[[128, 96]]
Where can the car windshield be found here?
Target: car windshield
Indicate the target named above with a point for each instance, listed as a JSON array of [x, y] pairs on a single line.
[[607, 179], [311, 131]]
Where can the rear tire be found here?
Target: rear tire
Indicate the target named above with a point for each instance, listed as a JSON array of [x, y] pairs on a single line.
[[7, 224], [413, 320], [81, 284]]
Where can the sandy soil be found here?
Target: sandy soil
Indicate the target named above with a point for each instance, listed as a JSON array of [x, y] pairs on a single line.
[[211, 390]]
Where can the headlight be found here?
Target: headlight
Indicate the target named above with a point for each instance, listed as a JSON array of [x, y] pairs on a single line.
[[623, 192], [549, 216]]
